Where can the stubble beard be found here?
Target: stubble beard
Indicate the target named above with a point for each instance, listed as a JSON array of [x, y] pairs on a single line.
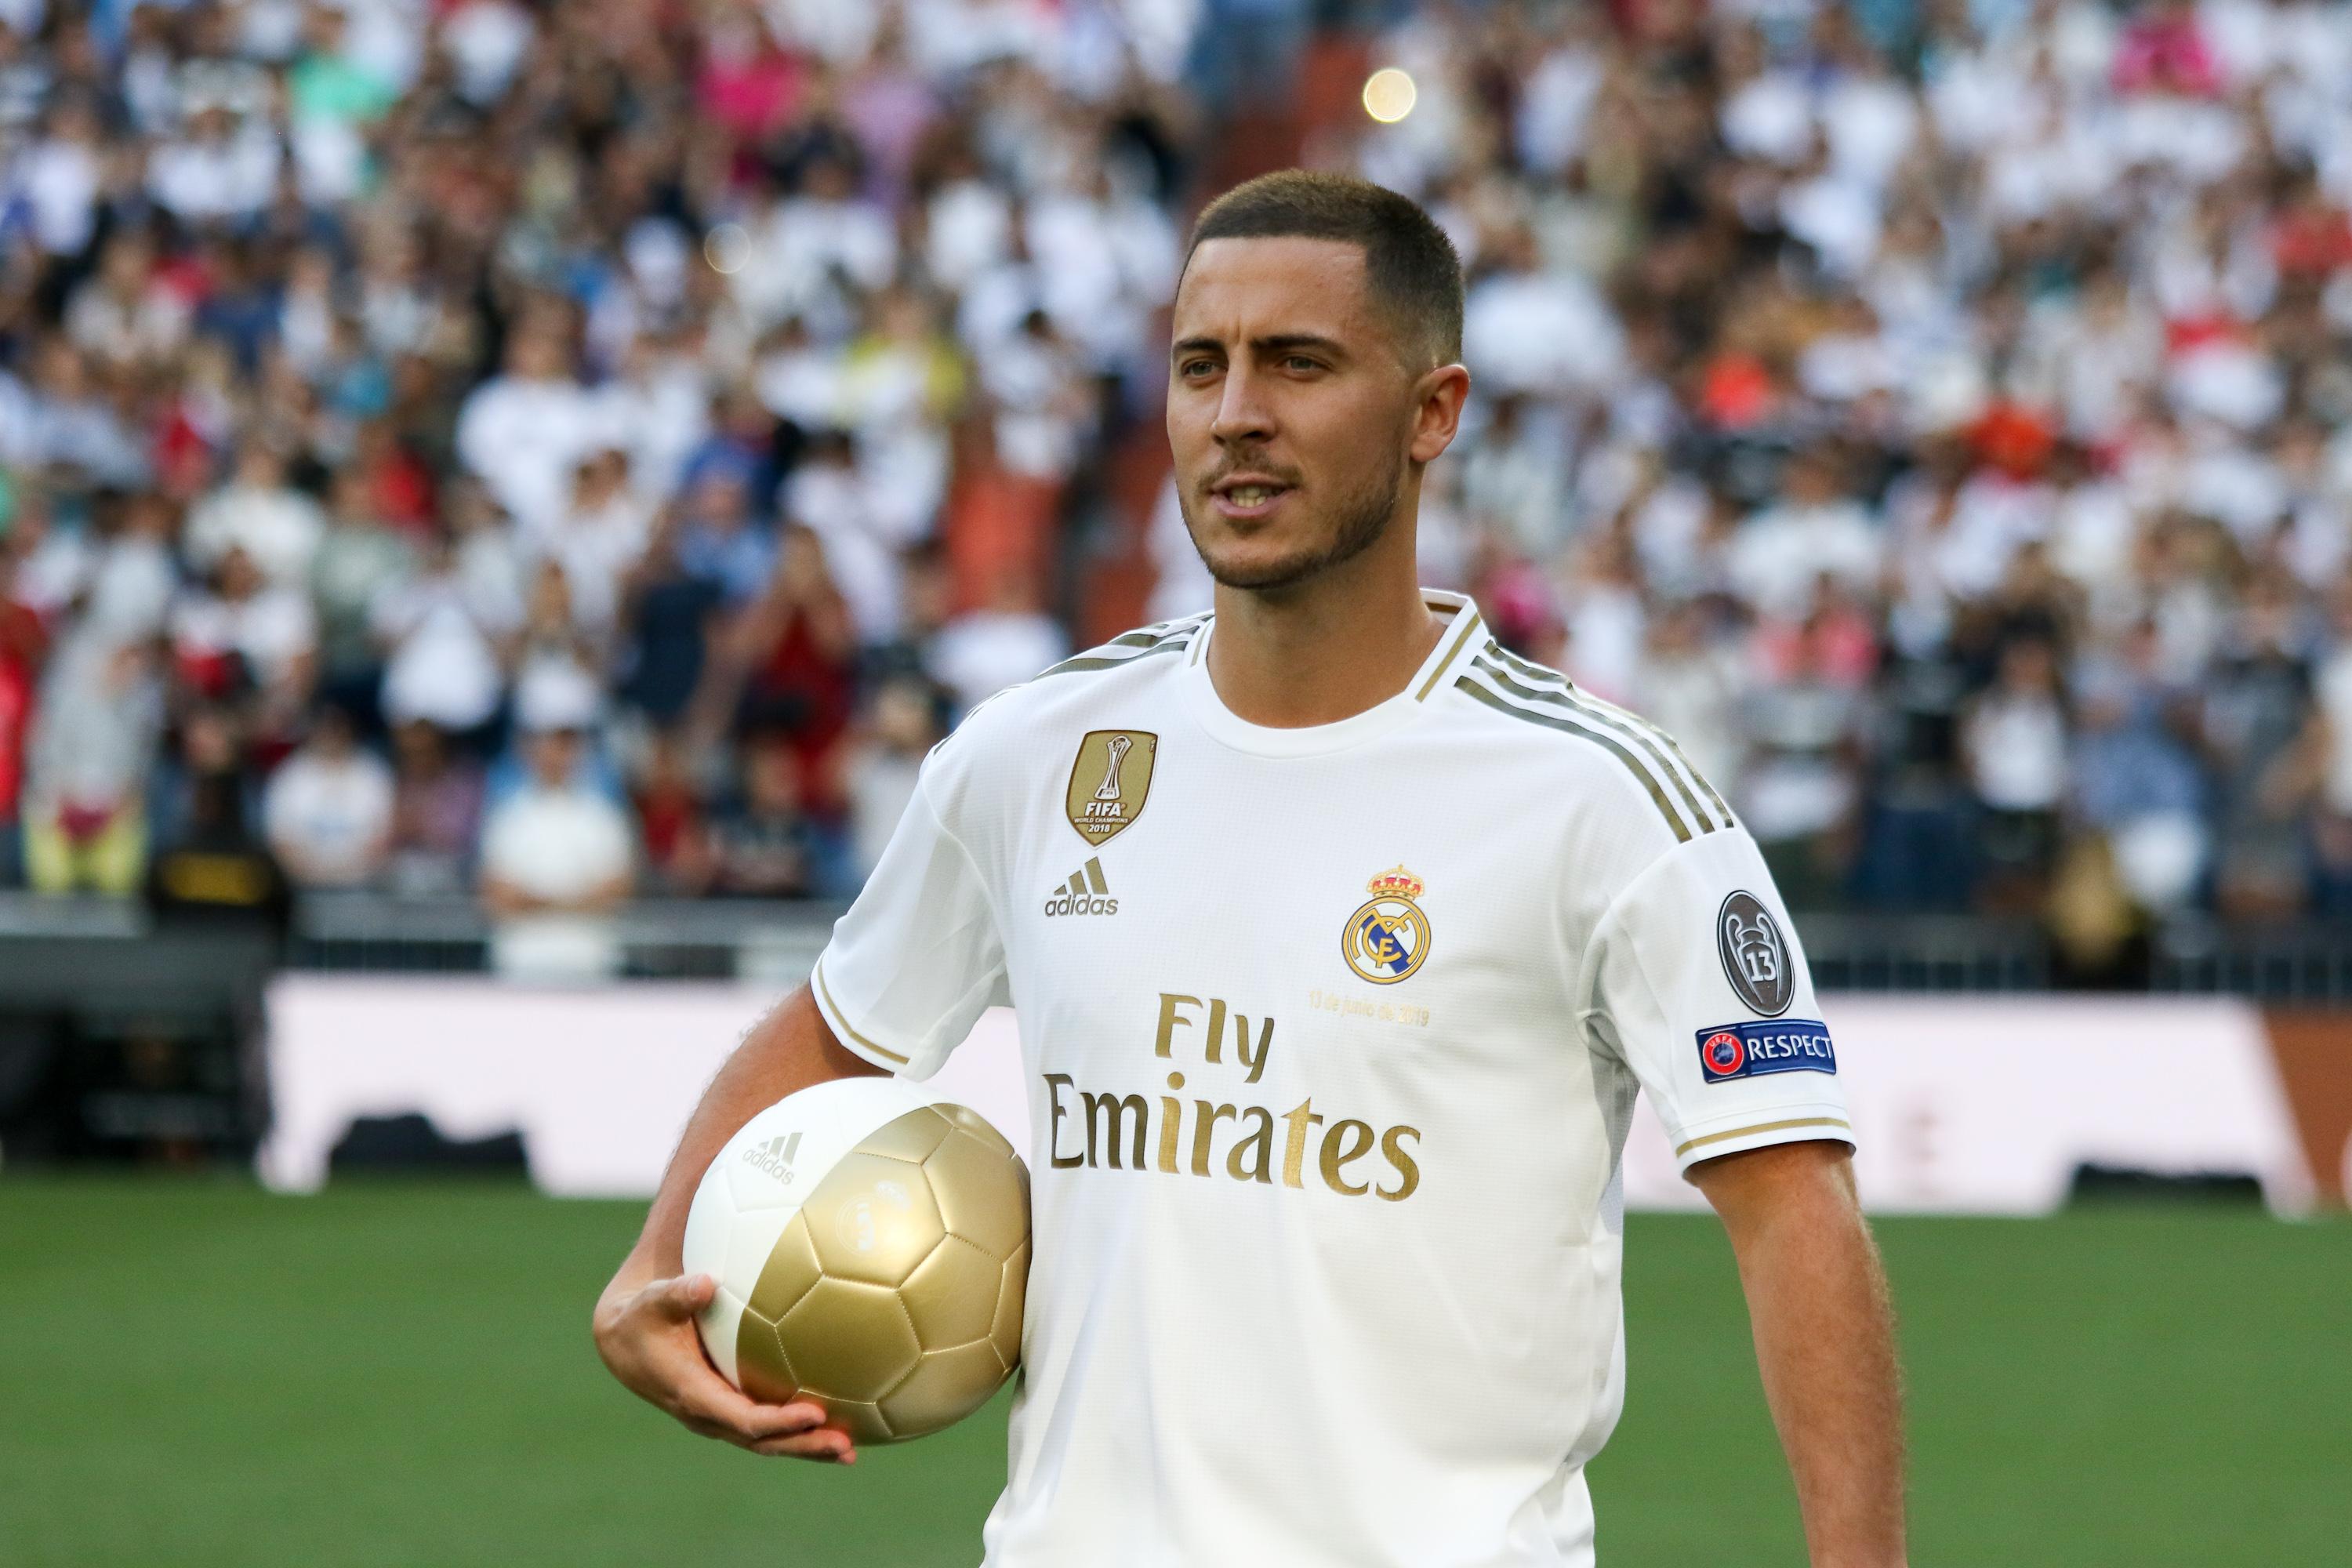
[[1363, 515]]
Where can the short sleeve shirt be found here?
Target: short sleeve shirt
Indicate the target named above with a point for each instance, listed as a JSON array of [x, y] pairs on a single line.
[[1331, 1036]]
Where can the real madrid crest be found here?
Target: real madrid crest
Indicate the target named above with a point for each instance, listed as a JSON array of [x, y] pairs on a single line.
[[1385, 940], [1109, 782]]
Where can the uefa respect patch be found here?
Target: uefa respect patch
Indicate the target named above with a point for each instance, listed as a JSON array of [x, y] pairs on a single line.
[[1751, 1051]]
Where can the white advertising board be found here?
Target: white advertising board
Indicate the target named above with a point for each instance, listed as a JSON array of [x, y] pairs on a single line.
[[1975, 1105]]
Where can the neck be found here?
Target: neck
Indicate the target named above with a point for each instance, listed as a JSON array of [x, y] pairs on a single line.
[[1326, 650]]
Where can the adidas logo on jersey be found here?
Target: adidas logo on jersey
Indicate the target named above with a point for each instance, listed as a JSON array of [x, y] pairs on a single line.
[[774, 1156], [1086, 893]]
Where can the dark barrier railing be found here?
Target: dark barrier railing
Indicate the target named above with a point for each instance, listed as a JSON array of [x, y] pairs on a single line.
[[760, 941], [671, 939], [1925, 952]]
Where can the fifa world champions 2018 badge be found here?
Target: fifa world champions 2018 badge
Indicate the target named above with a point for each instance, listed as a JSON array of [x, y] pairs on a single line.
[[1386, 939], [1109, 782], [1755, 954]]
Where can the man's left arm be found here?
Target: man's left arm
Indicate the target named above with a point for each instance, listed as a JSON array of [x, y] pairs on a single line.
[[1824, 1330]]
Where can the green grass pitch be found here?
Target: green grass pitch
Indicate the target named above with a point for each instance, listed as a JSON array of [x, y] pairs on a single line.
[[399, 1377]]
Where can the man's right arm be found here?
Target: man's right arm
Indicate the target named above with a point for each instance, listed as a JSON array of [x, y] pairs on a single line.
[[910, 969], [645, 1320]]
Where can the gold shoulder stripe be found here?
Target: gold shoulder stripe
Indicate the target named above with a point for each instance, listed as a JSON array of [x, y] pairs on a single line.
[[1174, 642], [1598, 715], [839, 1020], [1469, 618], [1689, 767], [1664, 738], [1145, 637], [1529, 667], [1685, 1148], [1583, 730]]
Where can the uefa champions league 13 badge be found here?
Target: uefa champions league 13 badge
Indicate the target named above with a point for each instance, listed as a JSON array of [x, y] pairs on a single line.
[[1386, 940], [1755, 954]]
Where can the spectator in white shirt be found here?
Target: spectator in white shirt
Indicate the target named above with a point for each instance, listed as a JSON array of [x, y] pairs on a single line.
[[806, 238], [968, 227], [445, 633], [981, 652], [557, 856], [657, 409], [1104, 265], [360, 560], [218, 170], [1782, 552], [242, 629], [132, 579], [1540, 330], [525, 432], [485, 41], [828, 495], [276, 526], [1043, 402], [58, 178], [879, 777], [327, 809], [68, 423], [596, 539], [2014, 740], [119, 316]]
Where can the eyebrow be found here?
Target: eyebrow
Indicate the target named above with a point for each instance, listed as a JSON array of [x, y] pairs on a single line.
[[1280, 342]]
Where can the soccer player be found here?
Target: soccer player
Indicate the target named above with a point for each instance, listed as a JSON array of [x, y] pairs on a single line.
[[1341, 940]]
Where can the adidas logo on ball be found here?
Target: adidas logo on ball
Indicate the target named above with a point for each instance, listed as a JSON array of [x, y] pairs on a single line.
[[774, 1156], [1086, 893]]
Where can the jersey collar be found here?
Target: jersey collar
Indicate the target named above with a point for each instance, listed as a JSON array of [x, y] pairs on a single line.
[[1462, 637]]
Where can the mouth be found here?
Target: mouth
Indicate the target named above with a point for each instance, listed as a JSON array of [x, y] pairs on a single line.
[[1246, 496]]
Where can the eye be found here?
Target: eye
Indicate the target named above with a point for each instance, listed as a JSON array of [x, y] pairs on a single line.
[[1301, 363], [1195, 369]]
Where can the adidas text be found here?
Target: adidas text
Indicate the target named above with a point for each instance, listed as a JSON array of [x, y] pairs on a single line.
[[1063, 903], [775, 1157], [1086, 893]]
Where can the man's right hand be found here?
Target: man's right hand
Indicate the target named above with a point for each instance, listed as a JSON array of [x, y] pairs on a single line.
[[646, 1332]]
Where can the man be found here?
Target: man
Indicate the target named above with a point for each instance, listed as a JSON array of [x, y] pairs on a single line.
[[1329, 1108], [524, 432], [328, 808], [557, 856]]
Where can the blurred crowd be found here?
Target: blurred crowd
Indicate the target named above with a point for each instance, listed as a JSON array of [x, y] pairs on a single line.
[[548, 451], [560, 451], [1938, 417]]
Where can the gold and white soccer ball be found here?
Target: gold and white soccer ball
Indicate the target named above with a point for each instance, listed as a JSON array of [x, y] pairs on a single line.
[[871, 1250]]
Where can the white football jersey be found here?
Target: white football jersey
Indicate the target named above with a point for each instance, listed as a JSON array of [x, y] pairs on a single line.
[[1331, 1036]]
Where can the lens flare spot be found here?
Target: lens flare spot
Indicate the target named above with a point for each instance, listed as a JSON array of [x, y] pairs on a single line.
[[726, 247], [1389, 95]]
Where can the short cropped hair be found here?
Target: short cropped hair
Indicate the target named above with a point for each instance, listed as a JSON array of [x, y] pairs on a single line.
[[1409, 264]]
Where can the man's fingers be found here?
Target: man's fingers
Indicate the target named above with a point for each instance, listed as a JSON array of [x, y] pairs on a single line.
[[791, 1431], [707, 1403], [765, 1421], [820, 1447], [680, 1298], [707, 1397]]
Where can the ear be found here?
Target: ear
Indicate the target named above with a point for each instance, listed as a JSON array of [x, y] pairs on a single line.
[[1438, 397]]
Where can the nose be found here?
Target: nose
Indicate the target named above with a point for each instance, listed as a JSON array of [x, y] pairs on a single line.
[[1242, 413]]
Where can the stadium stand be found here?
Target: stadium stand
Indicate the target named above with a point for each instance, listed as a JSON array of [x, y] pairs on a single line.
[[547, 454]]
